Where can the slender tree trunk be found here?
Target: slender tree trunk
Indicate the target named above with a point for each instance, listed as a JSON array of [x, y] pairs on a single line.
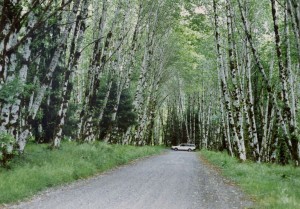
[[287, 114], [226, 96], [139, 103], [290, 82], [85, 129], [75, 53], [262, 71], [236, 94], [256, 149], [21, 141]]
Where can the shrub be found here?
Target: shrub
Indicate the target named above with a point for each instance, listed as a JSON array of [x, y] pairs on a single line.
[[7, 148]]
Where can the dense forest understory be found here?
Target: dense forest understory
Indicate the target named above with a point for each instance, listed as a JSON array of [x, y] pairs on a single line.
[[223, 74]]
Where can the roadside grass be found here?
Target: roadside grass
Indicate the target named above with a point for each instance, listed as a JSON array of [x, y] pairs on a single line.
[[40, 168], [272, 186]]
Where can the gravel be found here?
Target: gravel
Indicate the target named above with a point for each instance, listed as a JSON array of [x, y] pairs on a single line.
[[174, 180]]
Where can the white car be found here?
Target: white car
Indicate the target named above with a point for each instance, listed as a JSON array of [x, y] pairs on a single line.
[[184, 147]]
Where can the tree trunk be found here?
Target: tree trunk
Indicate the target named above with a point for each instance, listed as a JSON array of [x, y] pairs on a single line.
[[47, 80], [75, 53], [226, 96], [236, 94], [85, 127], [287, 114], [250, 102]]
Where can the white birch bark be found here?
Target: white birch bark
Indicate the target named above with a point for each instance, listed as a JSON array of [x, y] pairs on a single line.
[[287, 114], [206, 129], [122, 76], [54, 61], [85, 128], [236, 94], [290, 82], [138, 102], [267, 122], [153, 98], [10, 111], [72, 66], [103, 107], [256, 149], [262, 71], [226, 96], [224, 119]]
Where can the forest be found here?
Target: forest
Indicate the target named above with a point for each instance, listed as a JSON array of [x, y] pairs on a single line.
[[223, 74]]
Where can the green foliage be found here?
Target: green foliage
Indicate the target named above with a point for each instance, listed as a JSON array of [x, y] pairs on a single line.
[[195, 58], [271, 186], [9, 90], [49, 111], [125, 116], [40, 167], [7, 148], [282, 148], [71, 124]]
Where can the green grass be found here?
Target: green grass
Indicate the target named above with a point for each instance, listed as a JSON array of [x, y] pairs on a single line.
[[40, 167], [271, 186]]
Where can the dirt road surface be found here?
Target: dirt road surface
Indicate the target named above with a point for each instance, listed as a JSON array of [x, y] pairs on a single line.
[[174, 180]]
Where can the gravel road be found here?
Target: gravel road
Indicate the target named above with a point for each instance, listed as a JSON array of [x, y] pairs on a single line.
[[174, 180]]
